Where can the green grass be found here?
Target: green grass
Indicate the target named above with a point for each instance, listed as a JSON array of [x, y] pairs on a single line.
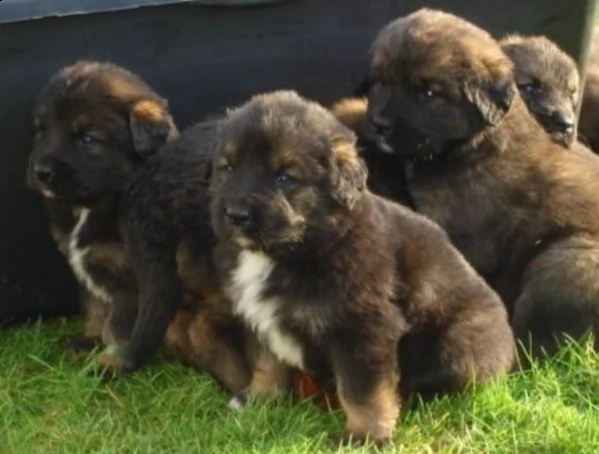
[[49, 404]]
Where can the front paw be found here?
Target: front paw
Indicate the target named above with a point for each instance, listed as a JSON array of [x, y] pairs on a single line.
[[114, 361], [237, 403]]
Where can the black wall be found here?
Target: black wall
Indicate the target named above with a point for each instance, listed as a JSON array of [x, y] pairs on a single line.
[[201, 59]]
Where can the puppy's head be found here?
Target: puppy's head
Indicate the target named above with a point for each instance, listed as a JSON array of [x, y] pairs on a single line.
[[93, 122], [548, 81], [435, 79], [284, 169]]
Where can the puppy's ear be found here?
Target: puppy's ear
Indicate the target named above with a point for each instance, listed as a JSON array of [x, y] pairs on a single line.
[[151, 125], [363, 87], [493, 99], [349, 172]]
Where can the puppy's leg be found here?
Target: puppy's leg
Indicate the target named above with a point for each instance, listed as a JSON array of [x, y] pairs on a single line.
[[366, 375], [560, 296], [269, 376], [475, 347], [217, 346], [95, 314], [159, 298], [121, 319]]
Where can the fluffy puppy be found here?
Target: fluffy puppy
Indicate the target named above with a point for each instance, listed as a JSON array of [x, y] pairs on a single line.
[[443, 97], [117, 211], [94, 124], [170, 240], [337, 281], [589, 110], [548, 81]]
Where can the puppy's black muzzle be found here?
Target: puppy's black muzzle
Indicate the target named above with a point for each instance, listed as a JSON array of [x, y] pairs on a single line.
[[239, 214]]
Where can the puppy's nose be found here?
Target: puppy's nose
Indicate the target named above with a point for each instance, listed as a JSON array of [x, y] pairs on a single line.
[[43, 172], [382, 126], [239, 216], [564, 121]]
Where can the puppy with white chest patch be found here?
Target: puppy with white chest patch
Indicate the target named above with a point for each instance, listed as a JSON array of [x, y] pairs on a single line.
[[95, 124], [337, 281]]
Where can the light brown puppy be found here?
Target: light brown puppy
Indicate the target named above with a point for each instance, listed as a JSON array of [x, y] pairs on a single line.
[[442, 97], [548, 81]]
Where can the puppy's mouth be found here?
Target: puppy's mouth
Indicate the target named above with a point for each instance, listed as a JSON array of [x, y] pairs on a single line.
[[564, 138], [402, 139], [43, 188], [561, 131], [273, 236]]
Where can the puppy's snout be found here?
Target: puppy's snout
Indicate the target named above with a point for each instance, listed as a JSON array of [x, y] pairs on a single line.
[[239, 215], [382, 126], [564, 121], [43, 172]]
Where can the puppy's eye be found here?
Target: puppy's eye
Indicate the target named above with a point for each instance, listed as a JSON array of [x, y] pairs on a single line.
[[531, 88], [282, 179], [428, 91], [84, 139]]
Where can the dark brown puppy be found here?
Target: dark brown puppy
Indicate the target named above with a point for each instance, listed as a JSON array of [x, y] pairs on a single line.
[[383, 176], [171, 243], [337, 281], [443, 91], [589, 111], [94, 124], [548, 81], [97, 125]]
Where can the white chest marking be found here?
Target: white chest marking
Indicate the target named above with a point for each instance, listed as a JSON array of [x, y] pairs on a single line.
[[77, 258], [253, 269]]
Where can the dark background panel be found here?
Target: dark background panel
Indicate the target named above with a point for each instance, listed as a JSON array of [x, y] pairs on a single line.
[[202, 59]]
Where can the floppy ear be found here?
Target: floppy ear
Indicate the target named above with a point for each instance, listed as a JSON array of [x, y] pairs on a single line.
[[349, 172], [493, 99], [151, 125]]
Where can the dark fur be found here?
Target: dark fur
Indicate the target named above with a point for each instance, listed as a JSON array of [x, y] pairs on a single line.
[[548, 81], [588, 123], [385, 177], [478, 166], [361, 289], [95, 123], [171, 241], [131, 122]]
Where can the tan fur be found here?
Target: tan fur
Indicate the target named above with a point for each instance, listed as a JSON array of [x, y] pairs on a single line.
[[376, 415], [148, 110], [522, 209]]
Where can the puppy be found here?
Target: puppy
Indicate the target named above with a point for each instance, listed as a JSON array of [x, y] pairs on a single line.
[[548, 81], [384, 175], [589, 118], [171, 242], [94, 124], [110, 194], [337, 281], [443, 97]]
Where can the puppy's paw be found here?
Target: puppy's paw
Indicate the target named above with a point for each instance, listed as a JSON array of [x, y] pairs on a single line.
[[81, 344], [237, 403], [113, 362]]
